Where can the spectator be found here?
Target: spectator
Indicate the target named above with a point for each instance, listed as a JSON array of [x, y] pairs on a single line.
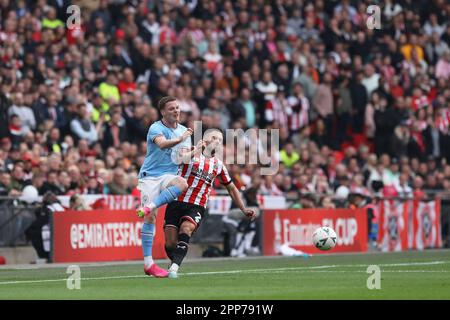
[[137, 129], [432, 26], [403, 188], [320, 135], [343, 109], [83, 128], [343, 190], [119, 184], [443, 66], [53, 142], [127, 84], [371, 79], [327, 203], [76, 203], [17, 130], [412, 46], [418, 184], [288, 155], [51, 184], [102, 13], [213, 58], [51, 21], [109, 91], [435, 48], [268, 187], [307, 201], [309, 31], [385, 123], [115, 131], [299, 110], [359, 98], [435, 141], [50, 109], [24, 112], [266, 88], [400, 140], [248, 107], [323, 100], [228, 80], [18, 179], [5, 182], [276, 109], [36, 232]]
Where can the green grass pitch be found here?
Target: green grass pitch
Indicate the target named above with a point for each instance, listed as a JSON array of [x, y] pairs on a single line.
[[405, 275]]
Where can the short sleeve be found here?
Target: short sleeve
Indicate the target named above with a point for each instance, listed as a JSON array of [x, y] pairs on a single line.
[[154, 132], [224, 176]]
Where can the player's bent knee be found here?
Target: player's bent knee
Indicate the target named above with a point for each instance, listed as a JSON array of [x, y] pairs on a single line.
[[182, 184], [187, 227]]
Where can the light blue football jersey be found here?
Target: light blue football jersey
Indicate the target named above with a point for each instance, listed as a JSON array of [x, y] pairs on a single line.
[[159, 161]]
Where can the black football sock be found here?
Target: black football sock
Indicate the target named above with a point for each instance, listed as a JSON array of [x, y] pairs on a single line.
[[182, 248], [169, 252]]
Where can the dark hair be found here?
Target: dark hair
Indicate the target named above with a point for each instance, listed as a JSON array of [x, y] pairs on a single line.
[[162, 103]]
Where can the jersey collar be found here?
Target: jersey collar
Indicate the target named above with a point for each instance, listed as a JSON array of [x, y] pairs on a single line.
[[168, 126]]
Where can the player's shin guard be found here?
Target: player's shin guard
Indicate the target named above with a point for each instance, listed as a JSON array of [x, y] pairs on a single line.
[[147, 232], [167, 195], [182, 248]]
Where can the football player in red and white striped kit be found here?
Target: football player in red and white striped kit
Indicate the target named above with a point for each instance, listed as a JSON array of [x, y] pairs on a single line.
[[184, 215]]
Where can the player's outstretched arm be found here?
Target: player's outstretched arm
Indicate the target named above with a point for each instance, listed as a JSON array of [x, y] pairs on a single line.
[[185, 155], [164, 143], [236, 196]]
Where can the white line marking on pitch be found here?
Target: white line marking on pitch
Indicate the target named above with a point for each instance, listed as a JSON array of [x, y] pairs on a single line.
[[56, 280], [274, 270]]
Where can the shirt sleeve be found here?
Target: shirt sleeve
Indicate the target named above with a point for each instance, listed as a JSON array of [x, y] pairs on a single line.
[[154, 132], [224, 176]]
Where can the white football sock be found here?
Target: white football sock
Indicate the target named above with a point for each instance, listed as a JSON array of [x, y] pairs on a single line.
[[248, 240], [148, 261], [152, 206], [174, 267]]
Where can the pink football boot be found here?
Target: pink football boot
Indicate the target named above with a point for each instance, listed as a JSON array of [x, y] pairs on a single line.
[[156, 271], [142, 212]]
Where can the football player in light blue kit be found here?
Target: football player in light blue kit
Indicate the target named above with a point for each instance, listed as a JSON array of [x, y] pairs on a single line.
[[167, 142]]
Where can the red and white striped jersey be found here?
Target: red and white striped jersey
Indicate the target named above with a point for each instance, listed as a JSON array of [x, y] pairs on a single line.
[[200, 174], [275, 110], [298, 112]]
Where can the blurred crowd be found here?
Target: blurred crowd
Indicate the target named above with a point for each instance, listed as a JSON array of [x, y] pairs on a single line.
[[359, 110]]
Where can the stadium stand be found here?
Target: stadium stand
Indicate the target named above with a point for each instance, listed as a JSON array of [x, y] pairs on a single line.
[[355, 106]]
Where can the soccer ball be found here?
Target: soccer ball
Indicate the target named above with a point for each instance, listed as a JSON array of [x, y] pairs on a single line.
[[324, 238]]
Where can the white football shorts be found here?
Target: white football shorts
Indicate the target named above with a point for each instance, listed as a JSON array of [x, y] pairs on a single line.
[[151, 187]]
